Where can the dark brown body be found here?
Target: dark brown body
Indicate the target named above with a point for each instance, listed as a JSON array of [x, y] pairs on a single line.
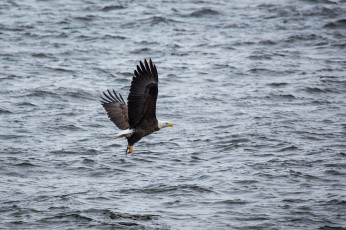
[[142, 131]]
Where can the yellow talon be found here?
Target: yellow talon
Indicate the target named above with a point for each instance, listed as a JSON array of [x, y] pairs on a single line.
[[129, 149]]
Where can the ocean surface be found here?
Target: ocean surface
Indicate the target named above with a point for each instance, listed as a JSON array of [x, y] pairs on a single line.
[[256, 91]]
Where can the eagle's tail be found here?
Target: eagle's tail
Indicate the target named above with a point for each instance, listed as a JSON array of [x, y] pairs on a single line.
[[125, 133]]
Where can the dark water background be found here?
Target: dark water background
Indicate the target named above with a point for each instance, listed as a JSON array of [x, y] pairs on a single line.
[[256, 90]]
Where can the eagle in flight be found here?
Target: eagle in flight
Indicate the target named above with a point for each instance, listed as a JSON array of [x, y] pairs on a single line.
[[137, 118]]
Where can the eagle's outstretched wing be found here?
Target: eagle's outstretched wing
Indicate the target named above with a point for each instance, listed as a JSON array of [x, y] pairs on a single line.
[[116, 109], [143, 94]]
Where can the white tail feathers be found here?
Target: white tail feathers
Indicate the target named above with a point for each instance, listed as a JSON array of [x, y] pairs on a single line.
[[125, 133]]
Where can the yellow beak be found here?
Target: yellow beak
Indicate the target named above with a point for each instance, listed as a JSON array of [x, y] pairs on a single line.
[[170, 124]]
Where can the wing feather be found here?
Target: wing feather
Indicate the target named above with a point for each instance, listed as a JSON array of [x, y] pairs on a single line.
[[116, 109], [143, 94]]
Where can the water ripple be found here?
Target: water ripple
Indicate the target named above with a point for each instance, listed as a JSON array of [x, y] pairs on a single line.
[[255, 92]]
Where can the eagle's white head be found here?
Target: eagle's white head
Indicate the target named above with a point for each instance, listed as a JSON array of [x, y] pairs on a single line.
[[163, 124]]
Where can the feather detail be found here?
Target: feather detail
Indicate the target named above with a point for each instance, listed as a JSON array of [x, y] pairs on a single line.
[[116, 109], [143, 94], [125, 133]]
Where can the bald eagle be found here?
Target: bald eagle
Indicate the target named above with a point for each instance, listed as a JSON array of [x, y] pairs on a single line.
[[138, 117]]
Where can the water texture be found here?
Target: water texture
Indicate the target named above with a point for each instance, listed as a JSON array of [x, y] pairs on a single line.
[[255, 89]]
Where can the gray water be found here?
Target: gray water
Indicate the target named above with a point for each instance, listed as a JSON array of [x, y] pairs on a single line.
[[255, 89]]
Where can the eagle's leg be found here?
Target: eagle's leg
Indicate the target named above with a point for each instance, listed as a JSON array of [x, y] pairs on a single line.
[[129, 149]]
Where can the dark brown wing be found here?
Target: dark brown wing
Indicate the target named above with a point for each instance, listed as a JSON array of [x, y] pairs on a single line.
[[143, 94], [116, 109]]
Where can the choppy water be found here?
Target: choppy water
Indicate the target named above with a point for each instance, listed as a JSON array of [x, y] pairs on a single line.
[[256, 90]]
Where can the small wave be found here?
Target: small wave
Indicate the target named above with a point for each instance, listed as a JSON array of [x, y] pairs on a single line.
[[339, 24], [204, 12], [157, 20], [88, 161], [222, 66], [314, 90], [10, 76], [261, 70], [224, 126], [13, 151], [141, 51], [334, 165], [334, 172], [84, 37], [70, 127], [64, 21], [90, 151], [25, 104], [278, 84], [287, 96], [267, 42], [303, 37], [290, 148], [64, 216], [117, 37], [85, 18], [266, 5], [63, 35], [335, 202], [282, 96], [321, 1], [239, 140], [41, 93], [10, 136], [42, 55], [236, 25], [230, 202], [117, 215], [78, 94], [60, 69], [195, 159], [25, 164], [148, 43], [260, 57], [112, 7], [247, 182], [103, 217], [4, 111], [180, 54], [15, 174], [341, 44], [64, 152], [166, 188], [242, 43], [253, 218]]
